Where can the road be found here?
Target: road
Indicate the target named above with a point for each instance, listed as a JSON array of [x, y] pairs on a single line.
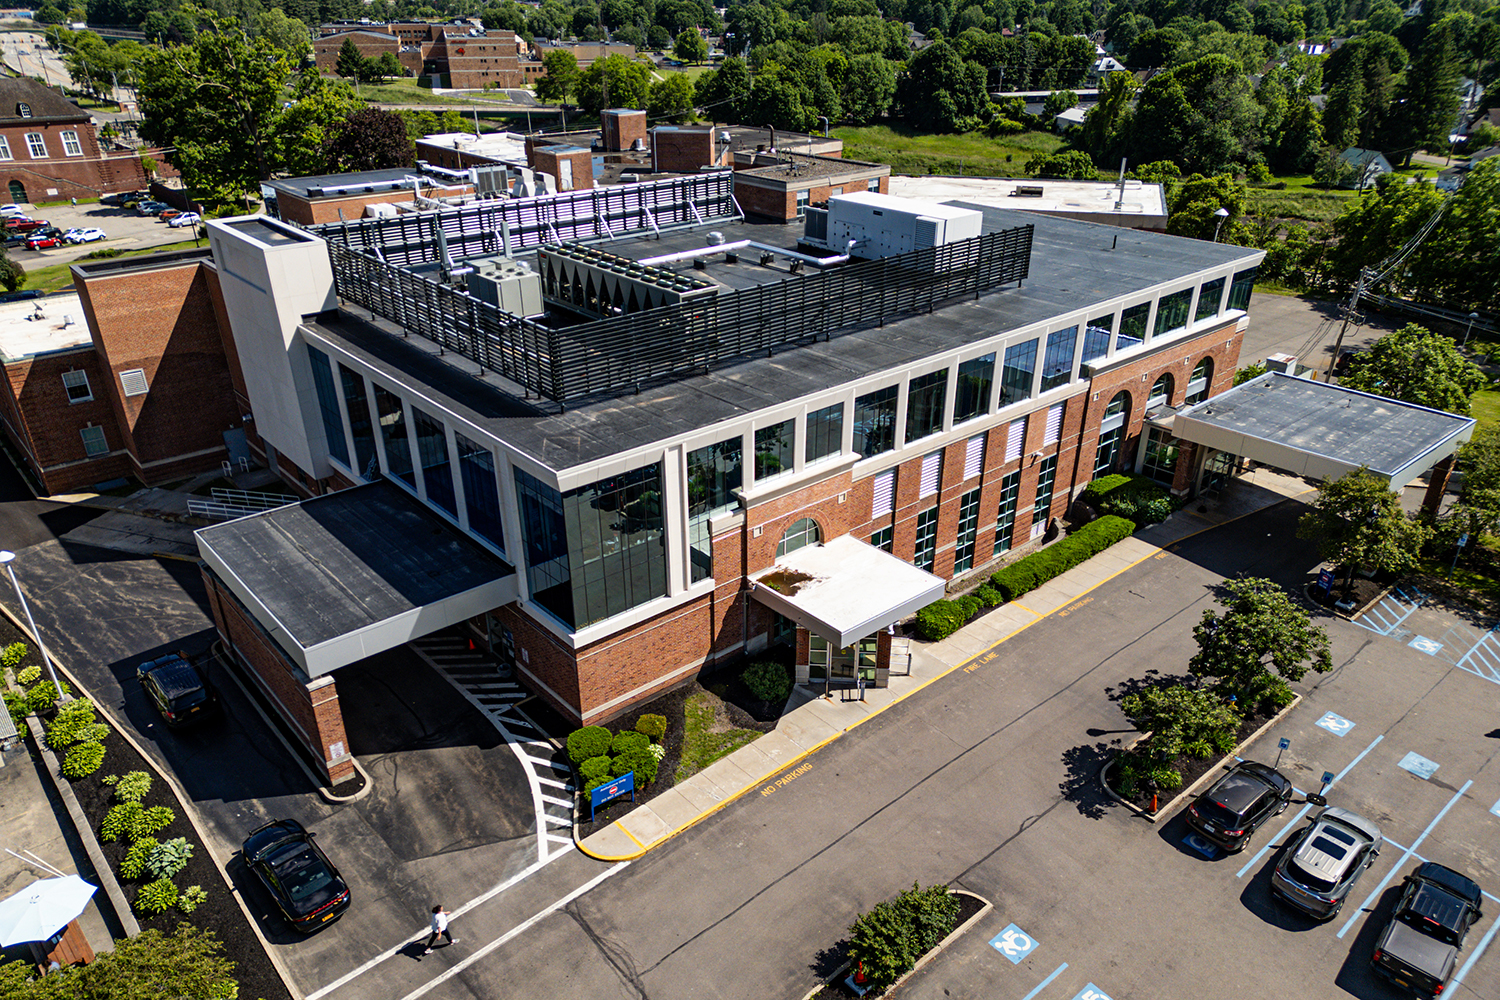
[[1306, 328]]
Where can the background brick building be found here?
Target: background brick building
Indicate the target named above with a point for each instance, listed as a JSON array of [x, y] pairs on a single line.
[[49, 149]]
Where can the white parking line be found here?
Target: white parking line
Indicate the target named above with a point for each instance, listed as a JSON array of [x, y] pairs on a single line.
[[1484, 943], [1404, 856]]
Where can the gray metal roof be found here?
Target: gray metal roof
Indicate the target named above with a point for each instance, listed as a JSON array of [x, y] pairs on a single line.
[[1072, 264], [1318, 430]]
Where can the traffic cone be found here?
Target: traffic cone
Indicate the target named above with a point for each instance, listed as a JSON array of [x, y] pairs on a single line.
[[859, 973]]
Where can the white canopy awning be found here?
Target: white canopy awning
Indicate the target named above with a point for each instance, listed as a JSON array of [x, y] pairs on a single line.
[[844, 590]]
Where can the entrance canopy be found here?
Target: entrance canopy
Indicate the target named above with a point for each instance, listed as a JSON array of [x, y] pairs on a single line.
[[341, 577], [1316, 430], [844, 590]]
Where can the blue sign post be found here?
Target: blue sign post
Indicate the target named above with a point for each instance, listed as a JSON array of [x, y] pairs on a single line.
[[613, 790], [1325, 580]]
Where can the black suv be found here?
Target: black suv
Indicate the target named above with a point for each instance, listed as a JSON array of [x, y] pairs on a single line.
[[1236, 805], [177, 688], [1419, 947], [307, 888]]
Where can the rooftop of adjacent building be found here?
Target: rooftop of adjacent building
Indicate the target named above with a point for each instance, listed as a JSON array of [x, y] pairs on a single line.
[[23, 99], [41, 325], [794, 167], [1035, 195], [504, 146]]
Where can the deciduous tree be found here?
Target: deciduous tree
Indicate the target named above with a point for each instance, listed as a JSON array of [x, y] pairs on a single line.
[[1183, 722], [690, 47], [369, 139], [559, 78], [628, 82], [1261, 641], [1357, 520], [1418, 366], [670, 98]]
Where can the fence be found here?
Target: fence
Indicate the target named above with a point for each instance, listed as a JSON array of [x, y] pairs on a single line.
[[625, 352], [229, 504]]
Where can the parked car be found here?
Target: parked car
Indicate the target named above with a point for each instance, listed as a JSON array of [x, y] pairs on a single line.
[[177, 688], [1419, 948], [1236, 805], [11, 211], [185, 219], [14, 239], [25, 293], [306, 886], [23, 225], [88, 235], [151, 207], [43, 241], [168, 214], [1322, 863], [133, 200]]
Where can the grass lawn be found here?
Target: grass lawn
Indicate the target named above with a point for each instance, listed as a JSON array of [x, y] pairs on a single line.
[[55, 277], [405, 92], [1484, 407], [1303, 202], [707, 736], [911, 152]]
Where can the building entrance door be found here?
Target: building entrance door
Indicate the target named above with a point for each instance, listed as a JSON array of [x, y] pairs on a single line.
[[18, 193], [842, 664]]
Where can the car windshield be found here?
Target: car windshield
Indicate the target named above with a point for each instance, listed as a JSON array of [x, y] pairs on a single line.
[[189, 700], [307, 881], [1310, 880]]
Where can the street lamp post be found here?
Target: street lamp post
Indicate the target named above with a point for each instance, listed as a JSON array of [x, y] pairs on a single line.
[[7, 557], [1470, 329], [1222, 213]]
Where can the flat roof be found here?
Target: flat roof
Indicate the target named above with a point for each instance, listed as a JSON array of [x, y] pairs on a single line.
[[506, 146], [1318, 430], [345, 183], [802, 167], [61, 327], [1073, 264], [1143, 201], [145, 262], [344, 576]]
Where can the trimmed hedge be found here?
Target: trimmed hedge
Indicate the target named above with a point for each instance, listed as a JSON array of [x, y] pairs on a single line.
[[886, 942], [1134, 497], [1025, 575], [768, 681], [629, 739], [590, 741], [654, 726], [594, 767]]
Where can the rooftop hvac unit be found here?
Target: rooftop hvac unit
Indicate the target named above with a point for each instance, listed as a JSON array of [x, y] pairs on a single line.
[[630, 178], [1286, 364], [491, 180], [815, 228], [508, 285]]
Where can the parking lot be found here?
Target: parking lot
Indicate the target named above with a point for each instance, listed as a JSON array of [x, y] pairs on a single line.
[[126, 231]]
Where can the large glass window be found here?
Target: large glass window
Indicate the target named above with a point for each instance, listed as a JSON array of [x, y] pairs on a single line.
[[875, 422], [1015, 378], [1005, 518], [36, 146], [392, 415], [1161, 456], [597, 550], [1096, 338], [360, 427], [1240, 289], [825, 432], [437, 467], [1208, 299], [802, 533], [925, 397], [1198, 382], [1111, 434], [1161, 392], [968, 531], [1133, 326], [328, 405], [972, 396], [884, 538], [1046, 479], [476, 467], [1172, 312], [1057, 366], [926, 554], [714, 473], [773, 449]]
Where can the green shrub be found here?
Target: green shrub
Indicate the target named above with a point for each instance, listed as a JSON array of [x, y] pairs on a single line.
[[638, 759], [169, 857], [43, 696], [120, 821], [191, 897], [136, 859], [989, 596], [156, 897], [83, 759], [12, 655], [70, 724], [590, 741], [18, 707], [654, 726], [132, 787], [1025, 575], [594, 767], [887, 941], [940, 619], [594, 783], [1104, 485], [28, 676], [767, 681], [1133, 497], [628, 740], [152, 821]]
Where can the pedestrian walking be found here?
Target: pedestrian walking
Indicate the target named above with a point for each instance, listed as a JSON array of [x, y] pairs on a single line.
[[439, 925]]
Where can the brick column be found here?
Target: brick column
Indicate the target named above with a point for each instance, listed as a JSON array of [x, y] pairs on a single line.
[[883, 658], [804, 642], [1437, 486], [1186, 469]]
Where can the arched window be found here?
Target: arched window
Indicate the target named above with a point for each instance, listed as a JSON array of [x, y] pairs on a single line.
[[1161, 392], [1197, 387], [1112, 433], [803, 532]]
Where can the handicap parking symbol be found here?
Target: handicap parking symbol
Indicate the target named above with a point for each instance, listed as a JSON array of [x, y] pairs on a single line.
[[1014, 943], [1335, 724], [1203, 847], [1422, 644], [1418, 765], [1091, 992]]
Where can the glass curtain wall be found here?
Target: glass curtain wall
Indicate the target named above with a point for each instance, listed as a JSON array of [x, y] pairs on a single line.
[[774, 449], [925, 399], [1133, 326], [1015, 378], [476, 467], [437, 467], [1208, 299], [972, 398], [392, 414], [1057, 366], [714, 473], [328, 405], [875, 422], [1172, 312], [1240, 289], [361, 429], [1096, 338], [825, 432]]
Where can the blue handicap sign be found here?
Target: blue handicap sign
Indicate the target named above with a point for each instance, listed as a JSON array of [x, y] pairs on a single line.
[[1418, 765], [1014, 943], [1335, 724], [1283, 743], [1422, 644], [1328, 777], [1091, 992], [1204, 847]]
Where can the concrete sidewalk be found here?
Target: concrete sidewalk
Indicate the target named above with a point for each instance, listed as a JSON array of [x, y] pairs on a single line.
[[813, 720]]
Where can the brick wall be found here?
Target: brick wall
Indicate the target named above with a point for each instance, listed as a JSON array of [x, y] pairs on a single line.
[[57, 175], [777, 200], [371, 44], [683, 150], [46, 427], [620, 127], [550, 160]]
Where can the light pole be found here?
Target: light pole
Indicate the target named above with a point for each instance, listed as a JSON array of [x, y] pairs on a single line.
[[1222, 214], [1470, 329], [7, 557]]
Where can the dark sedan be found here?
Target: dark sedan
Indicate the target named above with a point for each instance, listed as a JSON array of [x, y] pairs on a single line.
[[307, 887], [1236, 805]]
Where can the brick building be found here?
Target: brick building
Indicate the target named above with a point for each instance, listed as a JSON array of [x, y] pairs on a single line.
[[128, 377], [706, 408], [463, 57], [49, 149]]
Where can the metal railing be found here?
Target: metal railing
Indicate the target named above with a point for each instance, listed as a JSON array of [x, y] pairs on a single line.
[[625, 352], [248, 498]]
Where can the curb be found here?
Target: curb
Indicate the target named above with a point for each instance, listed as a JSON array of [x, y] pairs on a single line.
[[1155, 817], [102, 869]]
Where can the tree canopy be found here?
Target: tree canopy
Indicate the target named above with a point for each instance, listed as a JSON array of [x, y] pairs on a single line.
[[1262, 640], [1357, 520], [186, 963], [627, 81], [1418, 366]]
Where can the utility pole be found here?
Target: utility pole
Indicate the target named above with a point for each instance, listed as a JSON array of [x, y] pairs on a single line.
[[1349, 313]]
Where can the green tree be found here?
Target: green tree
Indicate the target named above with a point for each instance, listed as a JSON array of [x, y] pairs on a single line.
[[869, 88], [382, 69], [1071, 165], [940, 92], [1104, 128], [186, 963], [1057, 102], [1195, 204], [319, 107], [559, 78], [351, 62], [1417, 366], [48, 14], [690, 46], [670, 98], [724, 93], [1202, 114], [628, 83], [1183, 722], [12, 274], [289, 34], [1426, 102], [1357, 521], [1262, 640]]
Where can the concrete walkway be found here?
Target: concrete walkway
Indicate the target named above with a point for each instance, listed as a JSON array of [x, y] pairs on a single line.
[[813, 720]]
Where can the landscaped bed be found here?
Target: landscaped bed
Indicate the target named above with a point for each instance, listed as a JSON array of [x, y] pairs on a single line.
[[1190, 768], [898, 934]]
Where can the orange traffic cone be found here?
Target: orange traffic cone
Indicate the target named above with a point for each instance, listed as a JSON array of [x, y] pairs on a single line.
[[859, 973]]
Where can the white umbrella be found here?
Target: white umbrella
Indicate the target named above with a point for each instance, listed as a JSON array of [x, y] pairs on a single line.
[[42, 909]]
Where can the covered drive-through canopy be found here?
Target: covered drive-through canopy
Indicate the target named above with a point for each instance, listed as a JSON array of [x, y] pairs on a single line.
[[341, 577], [844, 590], [1317, 430]]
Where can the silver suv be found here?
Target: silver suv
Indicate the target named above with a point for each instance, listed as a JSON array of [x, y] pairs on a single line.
[[1322, 863]]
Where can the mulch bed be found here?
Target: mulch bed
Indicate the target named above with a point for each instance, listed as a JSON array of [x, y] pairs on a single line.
[[1190, 768], [1361, 591], [836, 956], [737, 708]]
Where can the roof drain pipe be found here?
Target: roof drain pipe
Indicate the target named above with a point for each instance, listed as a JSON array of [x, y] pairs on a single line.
[[669, 258]]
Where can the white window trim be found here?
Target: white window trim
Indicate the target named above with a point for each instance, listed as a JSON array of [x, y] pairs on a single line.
[[5, 153], [103, 440], [31, 146], [70, 144], [81, 379]]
